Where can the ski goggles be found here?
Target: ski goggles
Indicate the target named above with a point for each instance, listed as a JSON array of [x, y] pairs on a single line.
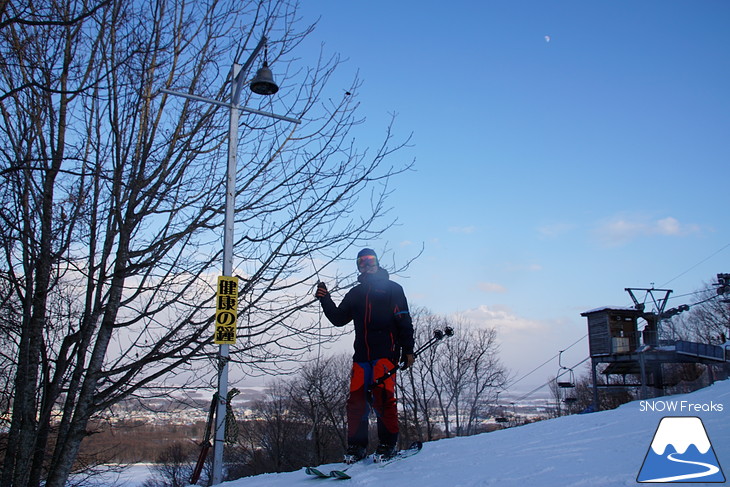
[[367, 261]]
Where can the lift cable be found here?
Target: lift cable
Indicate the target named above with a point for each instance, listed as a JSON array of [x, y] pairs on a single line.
[[547, 383], [547, 362], [696, 265]]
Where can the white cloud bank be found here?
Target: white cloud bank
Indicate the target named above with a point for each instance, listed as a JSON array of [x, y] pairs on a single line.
[[622, 229], [526, 344]]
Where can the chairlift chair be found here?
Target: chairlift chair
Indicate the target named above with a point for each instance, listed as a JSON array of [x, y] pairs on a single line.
[[566, 382], [499, 416], [570, 382]]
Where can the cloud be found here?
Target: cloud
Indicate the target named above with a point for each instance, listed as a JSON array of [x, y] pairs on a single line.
[[502, 319], [554, 230], [525, 344], [512, 267], [491, 287], [463, 230], [670, 226], [622, 229]]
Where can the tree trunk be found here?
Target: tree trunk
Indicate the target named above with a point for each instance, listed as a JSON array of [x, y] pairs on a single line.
[[116, 214]]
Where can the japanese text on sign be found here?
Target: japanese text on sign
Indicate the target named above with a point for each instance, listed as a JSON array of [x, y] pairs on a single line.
[[226, 311]]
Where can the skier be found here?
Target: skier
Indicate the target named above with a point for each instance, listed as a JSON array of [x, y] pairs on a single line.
[[383, 337]]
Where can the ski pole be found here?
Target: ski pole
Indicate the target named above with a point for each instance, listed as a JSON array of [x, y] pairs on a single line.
[[205, 445], [438, 335]]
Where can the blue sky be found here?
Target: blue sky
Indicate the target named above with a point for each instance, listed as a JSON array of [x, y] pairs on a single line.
[[564, 150]]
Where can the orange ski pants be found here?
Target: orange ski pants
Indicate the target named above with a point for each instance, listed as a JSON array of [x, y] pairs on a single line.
[[363, 397]]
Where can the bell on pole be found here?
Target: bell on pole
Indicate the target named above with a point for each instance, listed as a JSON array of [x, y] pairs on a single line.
[[263, 82]]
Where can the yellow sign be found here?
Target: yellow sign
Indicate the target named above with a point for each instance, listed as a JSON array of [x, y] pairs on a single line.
[[226, 311]]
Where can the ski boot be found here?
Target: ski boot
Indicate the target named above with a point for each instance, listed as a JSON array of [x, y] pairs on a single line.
[[385, 452], [354, 453]]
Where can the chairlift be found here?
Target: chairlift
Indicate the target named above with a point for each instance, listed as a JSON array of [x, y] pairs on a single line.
[[566, 377], [499, 416], [566, 382]]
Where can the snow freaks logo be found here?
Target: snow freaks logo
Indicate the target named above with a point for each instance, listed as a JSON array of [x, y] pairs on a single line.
[[680, 452]]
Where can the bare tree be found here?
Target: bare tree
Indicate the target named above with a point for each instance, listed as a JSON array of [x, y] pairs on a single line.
[[301, 421], [319, 394], [707, 321], [112, 205], [172, 468], [275, 439], [415, 390], [456, 380]]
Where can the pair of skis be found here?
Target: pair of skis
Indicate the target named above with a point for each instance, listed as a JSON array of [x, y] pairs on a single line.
[[342, 474]]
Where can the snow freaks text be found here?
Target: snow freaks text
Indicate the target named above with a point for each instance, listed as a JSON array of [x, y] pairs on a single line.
[[661, 406]]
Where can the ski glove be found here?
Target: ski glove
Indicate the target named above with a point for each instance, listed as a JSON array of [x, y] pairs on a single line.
[[407, 360], [321, 291]]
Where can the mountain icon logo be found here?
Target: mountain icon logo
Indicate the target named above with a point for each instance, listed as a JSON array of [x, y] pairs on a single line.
[[680, 452]]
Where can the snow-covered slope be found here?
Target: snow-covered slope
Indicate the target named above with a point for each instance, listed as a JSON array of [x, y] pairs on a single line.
[[592, 450]]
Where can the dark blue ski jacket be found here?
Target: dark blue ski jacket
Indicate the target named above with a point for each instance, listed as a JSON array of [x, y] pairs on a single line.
[[379, 310]]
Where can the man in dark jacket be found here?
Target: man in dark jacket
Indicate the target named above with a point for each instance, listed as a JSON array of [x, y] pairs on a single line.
[[383, 338]]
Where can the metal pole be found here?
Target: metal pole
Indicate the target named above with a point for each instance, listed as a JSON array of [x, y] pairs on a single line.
[[238, 81], [220, 419], [594, 377], [228, 105]]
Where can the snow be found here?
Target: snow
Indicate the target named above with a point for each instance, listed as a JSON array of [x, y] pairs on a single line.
[[603, 449], [611, 308], [130, 476]]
